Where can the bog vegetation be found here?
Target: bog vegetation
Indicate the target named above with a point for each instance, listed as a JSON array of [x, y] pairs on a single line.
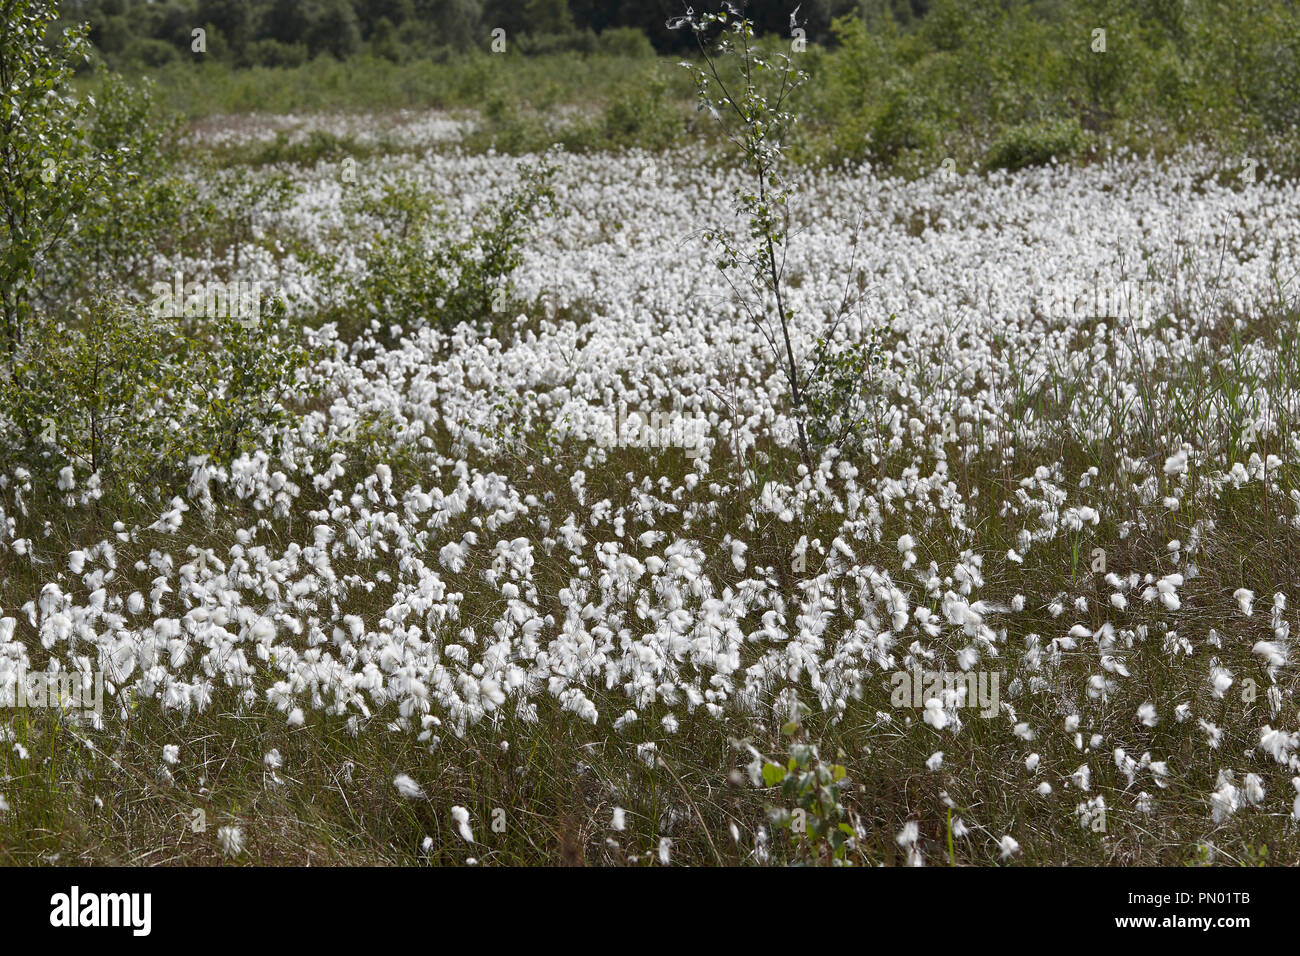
[[867, 436]]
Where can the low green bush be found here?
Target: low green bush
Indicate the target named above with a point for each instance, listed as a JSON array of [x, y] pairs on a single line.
[[91, 379], [130, 396], [642, 115], [415, 268], [1036, 144], [626, 42]]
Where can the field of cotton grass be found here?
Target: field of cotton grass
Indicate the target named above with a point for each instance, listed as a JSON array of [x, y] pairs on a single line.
[[564, 591]]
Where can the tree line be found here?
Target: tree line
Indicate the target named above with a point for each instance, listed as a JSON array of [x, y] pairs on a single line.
[[150, 33]]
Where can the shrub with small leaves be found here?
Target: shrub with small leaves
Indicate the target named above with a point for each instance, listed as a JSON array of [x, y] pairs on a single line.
[[840, 389], [49, 168], [416, 272], [84, 395], [819, 827], [130, 396], [238, 381], [87, 193], [642, 115], [235, 203], [1035, 144]]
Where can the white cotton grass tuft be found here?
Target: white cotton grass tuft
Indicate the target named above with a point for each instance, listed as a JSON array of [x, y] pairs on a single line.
[[407, 787], [908, 839], [1146, 715], [231, 840], [935, 715], [1226, 800], [1275, 654], [460, 816], [909, 834], [1253, 789], [665, 850], [1008, 847]]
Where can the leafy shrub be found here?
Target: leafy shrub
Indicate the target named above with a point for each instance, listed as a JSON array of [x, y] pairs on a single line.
[[139, 209], [829, 390], [1100, 82], [973, 69], [129, 396], [1035, 144], [236, 201], [383, 41], [508, 129], [111, 389], [841, 389], [627, 42], [414, 272], [50, 171], [236, 379], [149, 52], [642, 115], [273, 53], [819, 829], [88, 396], [1173, 87], [900, 126], [317, 146], [482, 264], [948, 27], [89, 192], [1250, 64]]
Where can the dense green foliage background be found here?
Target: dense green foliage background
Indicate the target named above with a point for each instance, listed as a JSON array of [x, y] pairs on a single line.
[[906, 85]]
